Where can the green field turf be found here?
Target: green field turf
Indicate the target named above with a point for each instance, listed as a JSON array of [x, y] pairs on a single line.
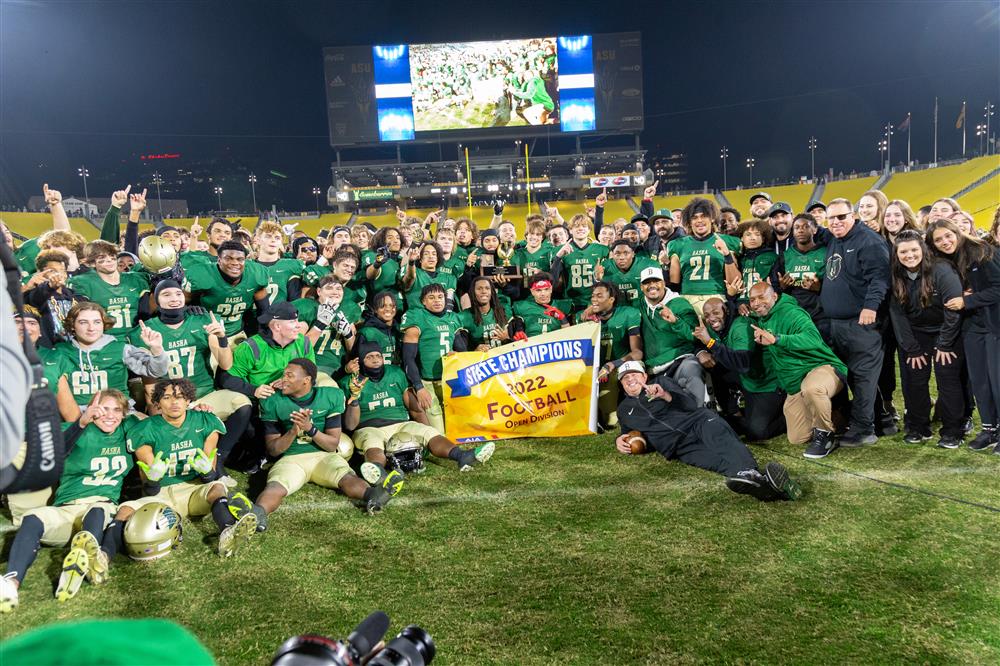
[[561, 551]]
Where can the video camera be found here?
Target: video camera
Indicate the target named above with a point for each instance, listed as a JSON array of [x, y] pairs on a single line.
[[412, 647]]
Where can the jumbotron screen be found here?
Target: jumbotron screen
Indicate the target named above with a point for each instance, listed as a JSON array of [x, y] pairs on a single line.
[[405, 92]]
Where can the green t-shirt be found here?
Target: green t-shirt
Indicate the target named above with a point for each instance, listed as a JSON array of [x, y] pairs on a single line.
[[94, 370], [279, 274], [486, 331], [664, 341], [187, 349], [259, 363], [703, 268], [579, 267], [437, 334], [177, 444], [97, 464], [801, 265], [120, 301], [381, 403], [628, 282], [757, 268], [615, 332], [534, 318], [326, 403], [387, 342], [229, 302]]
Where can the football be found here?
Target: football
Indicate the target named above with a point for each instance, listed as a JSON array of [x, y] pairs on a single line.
[[636, 442]]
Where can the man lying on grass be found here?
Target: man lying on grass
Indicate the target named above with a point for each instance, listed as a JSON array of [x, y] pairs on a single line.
[[676, 426]]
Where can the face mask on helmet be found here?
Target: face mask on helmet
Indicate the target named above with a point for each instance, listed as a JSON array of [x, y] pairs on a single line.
[[404, 452], [152, 532]]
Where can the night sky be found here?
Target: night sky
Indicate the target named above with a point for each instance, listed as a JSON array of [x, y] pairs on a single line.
[[100, 82]]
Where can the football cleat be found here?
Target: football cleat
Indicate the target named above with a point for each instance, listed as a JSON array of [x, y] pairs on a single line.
[[784, 485], [373, 473], [98, 571], [377, 500], [236, 535], [8, 593], [239, 504], [477, 456], [75, 568]]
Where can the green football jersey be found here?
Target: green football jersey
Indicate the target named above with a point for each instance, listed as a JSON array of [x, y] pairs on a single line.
[[664, 341], [97, 464], [329, 346], [422, 279], [54, 366], [535, 320], [387, 278], [381, 403], [313, 273], [26, 253], [326, 402], [703, 268], [387, 342], [229, 302], [579, 267], [120, 301], [177, 443], [279, 274], [453, 266], [437, 334], [756, 267], [486, 331], [534, 262], [94, 370], [801, 265], [628, 282], [186, 346], [615, 332]]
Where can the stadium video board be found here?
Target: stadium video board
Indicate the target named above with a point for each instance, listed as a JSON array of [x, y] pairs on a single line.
[[407, 92]]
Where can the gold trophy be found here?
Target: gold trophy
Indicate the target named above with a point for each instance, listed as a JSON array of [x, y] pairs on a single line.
[[504, 252]]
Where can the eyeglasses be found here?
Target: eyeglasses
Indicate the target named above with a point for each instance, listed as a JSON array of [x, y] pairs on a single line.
[[838, 218]]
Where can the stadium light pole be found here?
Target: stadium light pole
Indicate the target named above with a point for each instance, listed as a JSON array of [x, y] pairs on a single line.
[[750, 162], [987, 112], [158, 180], [881, 145], [981, 132], [218, 196], [888, 145], [812, 153], [252, 179], [83, 173], [316, 192], [723, 156]]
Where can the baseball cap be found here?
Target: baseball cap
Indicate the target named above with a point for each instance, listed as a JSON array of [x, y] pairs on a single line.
[[778, 207], [281, 311], [650, 273], [165, 228], [638, 217], [758, 195], [660, 214], [814, 205], [630, 366]]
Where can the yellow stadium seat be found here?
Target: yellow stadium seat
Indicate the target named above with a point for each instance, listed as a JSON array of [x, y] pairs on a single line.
[[797, 196], [922, 188], [32, 225], [848, 189], [982, 202]]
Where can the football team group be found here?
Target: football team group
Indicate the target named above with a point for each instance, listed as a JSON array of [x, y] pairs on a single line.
[[184, 352]]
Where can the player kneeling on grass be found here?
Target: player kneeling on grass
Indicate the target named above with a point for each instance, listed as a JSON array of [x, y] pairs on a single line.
[[302, 425], [676, 426], [377, 410], [176, 450], [97, 460]]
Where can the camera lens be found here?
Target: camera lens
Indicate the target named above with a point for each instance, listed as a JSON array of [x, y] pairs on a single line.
[[412, 647]]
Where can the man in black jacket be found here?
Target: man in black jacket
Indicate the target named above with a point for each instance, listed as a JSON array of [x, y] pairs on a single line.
[[676, 426], [857, 280]]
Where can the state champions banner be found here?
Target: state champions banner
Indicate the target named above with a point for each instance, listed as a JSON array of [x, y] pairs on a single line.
[[545, 386]]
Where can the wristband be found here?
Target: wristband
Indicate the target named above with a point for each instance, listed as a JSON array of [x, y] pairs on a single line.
[[776, 338], [729, 259], [224, 341], [312, 431], [617, 363], [353, 402], [710, 343]]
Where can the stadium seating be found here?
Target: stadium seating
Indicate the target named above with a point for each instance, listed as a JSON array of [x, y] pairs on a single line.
[[679, 200], [982, 202], [921, 188], [797, 196], [31, 225], [848, 189]]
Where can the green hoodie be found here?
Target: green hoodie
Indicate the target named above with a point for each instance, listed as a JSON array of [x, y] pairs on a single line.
[[799, 348], [662, 341]]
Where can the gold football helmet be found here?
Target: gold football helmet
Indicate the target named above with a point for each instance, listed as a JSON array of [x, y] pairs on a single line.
[[156, 254], [152, 532], [405, 452]]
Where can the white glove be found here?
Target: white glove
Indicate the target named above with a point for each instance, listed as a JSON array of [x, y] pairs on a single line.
[[202, 462], [325, 313], [157, 470], [343, 326]]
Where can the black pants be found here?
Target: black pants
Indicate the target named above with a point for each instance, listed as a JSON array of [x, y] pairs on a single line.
[[887, 376], [860, 347], [982, 353], [764, 415], [917, 394], [714, 446]]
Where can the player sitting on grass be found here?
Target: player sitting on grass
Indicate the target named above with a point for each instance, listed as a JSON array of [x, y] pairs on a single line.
[[377, 410], [176, 450], [302, 427], [97, 460], [677, 426]]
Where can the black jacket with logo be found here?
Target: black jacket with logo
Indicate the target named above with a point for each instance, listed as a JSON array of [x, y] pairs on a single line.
[[857, 273]]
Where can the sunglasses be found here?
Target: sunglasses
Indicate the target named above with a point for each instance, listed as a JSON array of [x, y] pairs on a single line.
[[838, 218]]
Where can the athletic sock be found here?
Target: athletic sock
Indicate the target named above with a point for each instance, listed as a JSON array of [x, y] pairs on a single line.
[[458, 454], [114, 538], [25, 546], [93, 522], [221, 514]]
